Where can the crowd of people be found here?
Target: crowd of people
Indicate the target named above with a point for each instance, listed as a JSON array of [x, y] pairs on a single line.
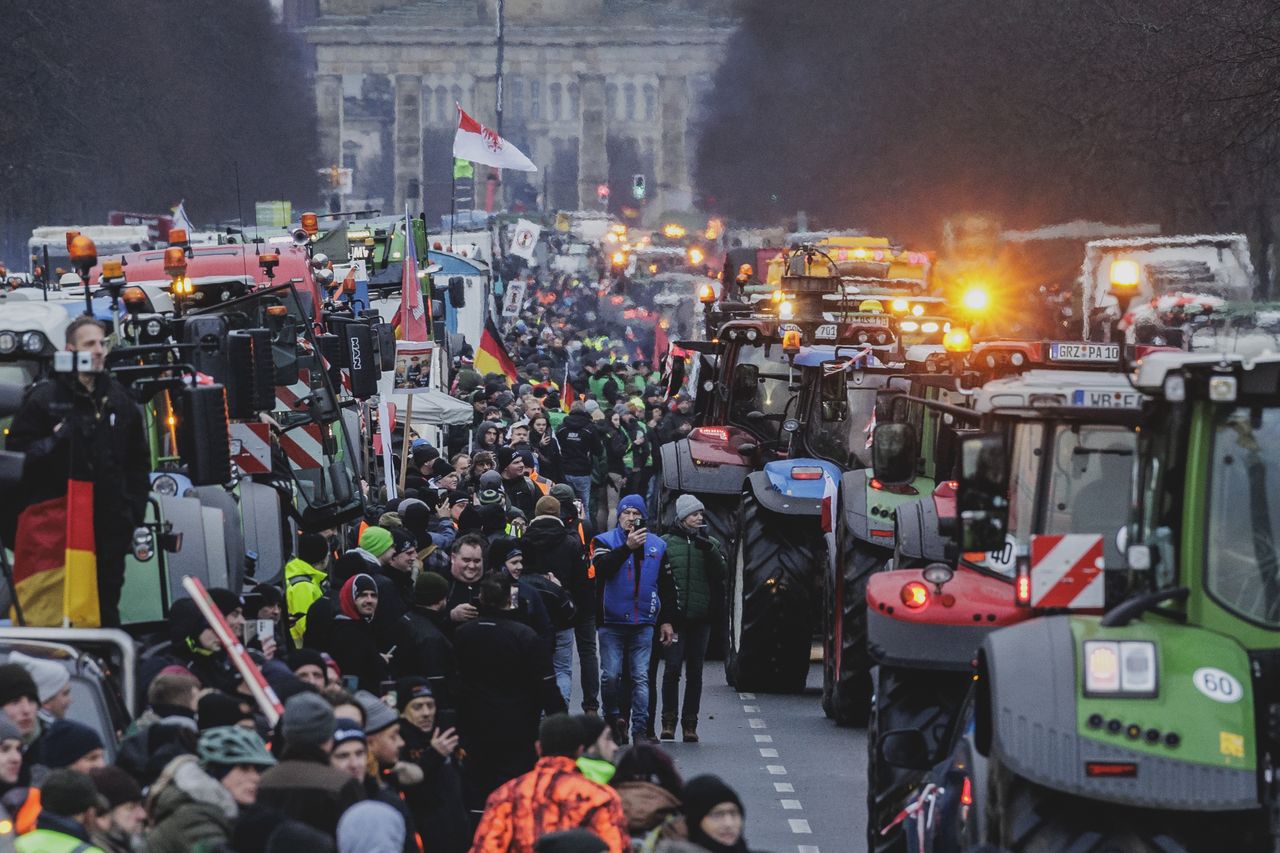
[[425, 657]]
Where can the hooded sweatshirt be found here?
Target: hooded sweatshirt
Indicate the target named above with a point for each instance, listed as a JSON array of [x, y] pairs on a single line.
[[189, 809]]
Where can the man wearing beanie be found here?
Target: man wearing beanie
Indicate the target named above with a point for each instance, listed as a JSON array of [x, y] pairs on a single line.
[[697, 561], [53, 682], [303, 785], [520, 493], [375, 543], [70, 744], [714, 815], [389, 778], [309, 666], [422, 647], [20, 699], [395, 581], [69, 808], [437, 805], [119, 829], [305, 580], [351, 639], [350, 751], [552, 549]]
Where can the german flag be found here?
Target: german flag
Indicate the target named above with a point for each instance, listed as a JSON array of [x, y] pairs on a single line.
[[55, 570], [491, 356]]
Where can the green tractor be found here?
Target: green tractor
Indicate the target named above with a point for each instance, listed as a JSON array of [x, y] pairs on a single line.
[[1154, 725]]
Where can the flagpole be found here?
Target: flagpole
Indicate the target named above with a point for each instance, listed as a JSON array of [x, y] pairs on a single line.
[[453, 202], [404, 445]]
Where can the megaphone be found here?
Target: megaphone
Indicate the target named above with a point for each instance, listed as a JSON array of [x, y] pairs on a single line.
[[300, 237]]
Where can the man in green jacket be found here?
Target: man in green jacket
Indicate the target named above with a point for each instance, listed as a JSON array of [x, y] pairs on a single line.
[[697, 561]]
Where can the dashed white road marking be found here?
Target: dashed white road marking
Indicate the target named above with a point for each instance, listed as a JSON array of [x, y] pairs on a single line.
[[756, 723], [784, 787], [792, 805], [746, 696], [751, 709], [808, 848], [776, 770], [764, 738], [800, 826], [768, 752]]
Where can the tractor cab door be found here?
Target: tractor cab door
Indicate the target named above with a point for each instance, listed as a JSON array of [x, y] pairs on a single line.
[[758, 379]]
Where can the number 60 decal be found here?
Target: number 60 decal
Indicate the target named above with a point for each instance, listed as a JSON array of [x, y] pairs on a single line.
[[1218, 685]]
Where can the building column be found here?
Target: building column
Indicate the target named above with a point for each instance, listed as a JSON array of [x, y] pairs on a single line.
[[329, 117], [407, 141], [675, 185], [593, 156]]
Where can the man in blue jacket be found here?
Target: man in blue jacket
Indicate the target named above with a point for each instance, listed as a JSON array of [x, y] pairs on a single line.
[[636, 592]]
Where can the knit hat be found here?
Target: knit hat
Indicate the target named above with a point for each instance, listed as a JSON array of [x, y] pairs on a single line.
[[305, 657], [526, 456], [440, 468], [704, 793], [430, 588], [220, 709], [389, 521], [355, 585], [371, 826], [501, 550], [376, 540], [307, 720], [262, 595], [402, 541], [8, 730], [66, 742], [67, 793], [346, 729], [490, 497], [225, 600], [312, 548], [115, 785], [687, 505], [410, 688], [16, 682], [490, 480], [49, 677], [459, 497], [547, 505], [504, 456], [377, 714], [562, 492], [632, 502], [404, 505]]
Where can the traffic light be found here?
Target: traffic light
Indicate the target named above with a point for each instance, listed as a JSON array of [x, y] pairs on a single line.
[[637, 187], [602, 192]]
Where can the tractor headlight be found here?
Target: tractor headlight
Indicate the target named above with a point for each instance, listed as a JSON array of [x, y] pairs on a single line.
[[8, 342], [165, 485], [1222, 389], [33, 342], [1120, 668]]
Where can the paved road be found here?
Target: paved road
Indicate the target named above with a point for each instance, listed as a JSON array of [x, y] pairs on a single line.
[[801, 779]]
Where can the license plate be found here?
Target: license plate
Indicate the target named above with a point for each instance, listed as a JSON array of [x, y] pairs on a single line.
[[871, 320], [826, 332], [1084, 352], [1106, 399]]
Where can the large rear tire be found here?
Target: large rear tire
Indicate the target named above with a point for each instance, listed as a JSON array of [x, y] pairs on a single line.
[[846, 670], [904, 699], [1026, 818], [771, 588]]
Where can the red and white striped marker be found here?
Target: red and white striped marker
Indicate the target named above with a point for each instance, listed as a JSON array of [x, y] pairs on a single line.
[[1067, 571], [262, 692], [253, 455]]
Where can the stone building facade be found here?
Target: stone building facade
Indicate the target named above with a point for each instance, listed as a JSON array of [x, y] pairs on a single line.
[[595, 92]]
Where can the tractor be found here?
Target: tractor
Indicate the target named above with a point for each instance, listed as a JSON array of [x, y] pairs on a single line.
[[1072, 431]]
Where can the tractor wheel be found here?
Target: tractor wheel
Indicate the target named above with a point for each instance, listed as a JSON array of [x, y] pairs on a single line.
[[846, 682], [770, 601], [1027, 818], [904, 699]]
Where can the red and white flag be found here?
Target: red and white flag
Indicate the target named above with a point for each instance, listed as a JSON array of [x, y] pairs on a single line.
[[481, 144]]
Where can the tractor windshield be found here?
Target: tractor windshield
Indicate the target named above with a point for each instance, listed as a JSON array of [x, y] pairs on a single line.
[[761, 376], [839, 428], [1071, 478], [1243, 567]]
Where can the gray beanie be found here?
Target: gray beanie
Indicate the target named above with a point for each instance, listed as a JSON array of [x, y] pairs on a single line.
[[371, 826], [307, 720], [8, 731], [49, 677], [687, 505], [377, 714], [406, 503]]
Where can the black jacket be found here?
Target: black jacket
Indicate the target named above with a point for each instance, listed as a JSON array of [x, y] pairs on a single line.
[[353, 646], [551, 547], [303, 786], [105, 427], [506, 681], [579, 444], [550, 465], [521, 494], [422, 648], [437, 805]]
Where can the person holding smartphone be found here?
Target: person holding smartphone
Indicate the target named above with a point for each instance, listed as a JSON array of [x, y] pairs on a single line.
[[637, 593]]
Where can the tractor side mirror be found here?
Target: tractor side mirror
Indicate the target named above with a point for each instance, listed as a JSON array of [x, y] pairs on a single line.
[[981, 495], [906, 749], [894, 451], [748, 448]]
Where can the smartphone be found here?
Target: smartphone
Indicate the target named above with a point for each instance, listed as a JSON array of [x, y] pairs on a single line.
[[515, 597], [351, 683], [266, 630]]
